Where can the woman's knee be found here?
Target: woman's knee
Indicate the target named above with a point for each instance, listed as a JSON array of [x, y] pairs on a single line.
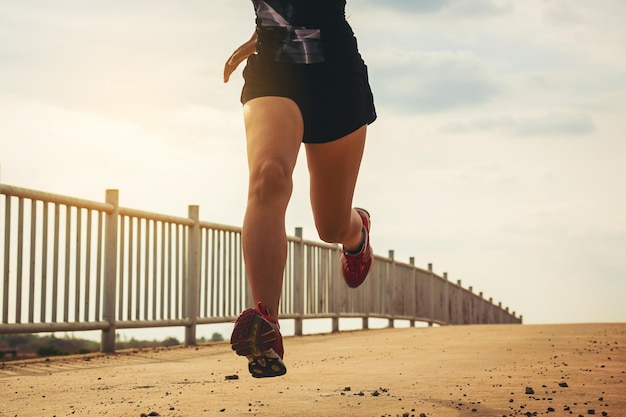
[[270, 182]]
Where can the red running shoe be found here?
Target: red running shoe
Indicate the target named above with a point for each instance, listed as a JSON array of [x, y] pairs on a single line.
[[355, 267], [256, 335]]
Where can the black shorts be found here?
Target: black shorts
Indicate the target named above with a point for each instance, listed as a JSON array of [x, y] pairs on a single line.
[[334, 99]]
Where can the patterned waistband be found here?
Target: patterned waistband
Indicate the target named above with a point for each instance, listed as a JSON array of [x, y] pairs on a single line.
[[291, 45]]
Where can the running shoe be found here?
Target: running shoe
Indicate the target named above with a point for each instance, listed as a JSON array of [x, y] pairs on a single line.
[[355, 267], [256, 336]]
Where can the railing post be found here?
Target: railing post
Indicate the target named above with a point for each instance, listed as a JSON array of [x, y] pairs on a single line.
[[298, 282], [193, 275], [392, 305], [462, 304], [109, 292], [431, 290], [413, 292], [334, 324], [481, 309], [470, 308], [447, 304]]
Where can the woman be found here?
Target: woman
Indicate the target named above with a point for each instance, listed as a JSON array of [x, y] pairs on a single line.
[[304, 82]]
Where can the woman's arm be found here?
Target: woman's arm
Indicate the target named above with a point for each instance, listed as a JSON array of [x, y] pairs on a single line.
[[240, 54]]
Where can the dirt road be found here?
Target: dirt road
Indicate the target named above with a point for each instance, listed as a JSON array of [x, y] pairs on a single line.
[[498, 370]]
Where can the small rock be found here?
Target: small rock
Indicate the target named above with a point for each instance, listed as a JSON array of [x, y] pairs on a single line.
[[563, 384], [231, 377], [529, 391]]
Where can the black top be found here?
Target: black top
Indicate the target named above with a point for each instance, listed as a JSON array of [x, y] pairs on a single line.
[[300, 13], [302, 31]]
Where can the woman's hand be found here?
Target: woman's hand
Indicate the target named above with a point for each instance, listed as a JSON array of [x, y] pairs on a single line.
[[240, 54]]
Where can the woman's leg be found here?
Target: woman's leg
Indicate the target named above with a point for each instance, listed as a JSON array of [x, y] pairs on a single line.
[[274, 131], [334, 168]]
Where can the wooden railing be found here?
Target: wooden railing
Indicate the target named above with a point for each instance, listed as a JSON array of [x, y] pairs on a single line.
[[70, 264]]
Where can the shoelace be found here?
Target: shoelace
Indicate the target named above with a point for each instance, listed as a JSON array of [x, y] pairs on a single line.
[[354, 262]]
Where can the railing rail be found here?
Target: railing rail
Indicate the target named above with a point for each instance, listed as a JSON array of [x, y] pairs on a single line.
[[70, 264]]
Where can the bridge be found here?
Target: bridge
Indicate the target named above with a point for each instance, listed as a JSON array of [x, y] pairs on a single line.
[[70, 264]]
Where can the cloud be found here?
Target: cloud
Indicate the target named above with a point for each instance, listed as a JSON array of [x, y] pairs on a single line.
[[471, 8], [477, 8], [422, 6], [564, 14], [549, 125], [431, 82], [126, 61]]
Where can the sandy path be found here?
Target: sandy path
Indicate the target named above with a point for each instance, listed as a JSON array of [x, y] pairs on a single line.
[[501, 370]]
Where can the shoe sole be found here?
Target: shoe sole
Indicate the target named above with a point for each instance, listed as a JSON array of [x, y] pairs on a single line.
[[253, 337]]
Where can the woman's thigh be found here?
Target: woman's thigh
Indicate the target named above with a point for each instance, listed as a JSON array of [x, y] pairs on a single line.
[[334, 168], [274, 132]]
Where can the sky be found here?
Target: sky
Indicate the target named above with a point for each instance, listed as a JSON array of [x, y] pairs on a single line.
[[498, 155]]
